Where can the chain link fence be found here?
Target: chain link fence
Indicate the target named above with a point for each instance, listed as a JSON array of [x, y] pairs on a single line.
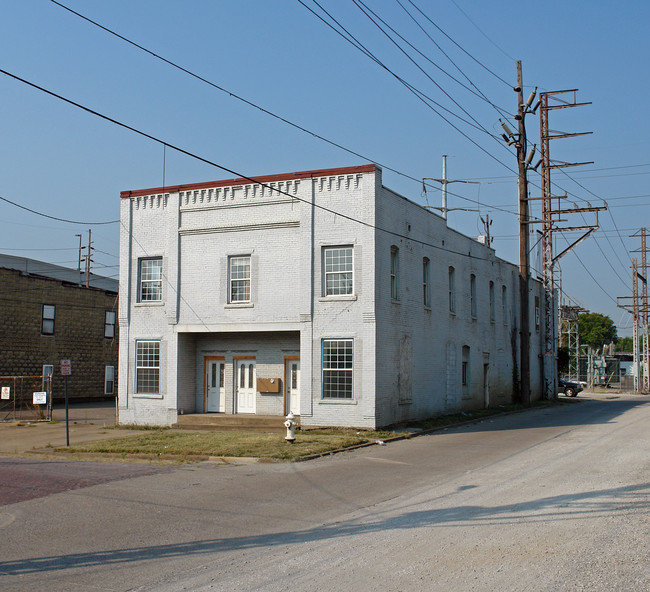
[[25, 398]]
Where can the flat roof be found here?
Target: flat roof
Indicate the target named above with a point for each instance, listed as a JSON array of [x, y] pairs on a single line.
[[366, 168]]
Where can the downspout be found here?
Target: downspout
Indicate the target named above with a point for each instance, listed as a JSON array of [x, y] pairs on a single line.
[[312, 292]]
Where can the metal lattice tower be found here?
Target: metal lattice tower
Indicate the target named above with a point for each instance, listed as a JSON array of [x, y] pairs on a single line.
[[550, 101], [571, 337]]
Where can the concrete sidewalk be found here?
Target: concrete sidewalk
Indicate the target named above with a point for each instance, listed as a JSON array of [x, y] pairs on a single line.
[[88, 422]]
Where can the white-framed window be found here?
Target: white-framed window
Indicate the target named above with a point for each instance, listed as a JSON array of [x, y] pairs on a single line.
[[150, 279], [109, 324], [492, 311], [239, 278], [337, 366], [47, 319], [452, 290], [339, 271], [537, 314], [147, 367], [109, 380], [472, 296], [426, 286], [394, 273]]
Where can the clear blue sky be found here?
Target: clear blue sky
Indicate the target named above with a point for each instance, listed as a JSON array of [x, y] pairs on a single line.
[[62, 161]]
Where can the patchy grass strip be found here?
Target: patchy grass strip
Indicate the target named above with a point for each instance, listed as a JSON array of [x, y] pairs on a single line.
[[186, 444]]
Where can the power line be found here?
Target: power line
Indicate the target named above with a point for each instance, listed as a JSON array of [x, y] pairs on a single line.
[[367, 11], [500, 111], [462, 48], [13, 203], [248, 102], [591, 275], [231, 171], [419, 94], [363, 49]]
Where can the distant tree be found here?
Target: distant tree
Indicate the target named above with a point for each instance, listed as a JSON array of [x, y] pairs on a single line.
[[596, 329], [625, 344]]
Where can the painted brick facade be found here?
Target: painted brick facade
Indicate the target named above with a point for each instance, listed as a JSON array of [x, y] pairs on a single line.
[[409, 359], [78, 333]]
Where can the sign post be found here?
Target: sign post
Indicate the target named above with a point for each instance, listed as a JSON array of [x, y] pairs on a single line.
[[66, 370]]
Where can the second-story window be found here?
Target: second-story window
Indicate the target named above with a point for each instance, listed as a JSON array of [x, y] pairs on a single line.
[[452, 290], [150, 280], [394, 273], [426, 287], [109, 324], [239, 278], [47, 320], [492, 311], [339, 266]]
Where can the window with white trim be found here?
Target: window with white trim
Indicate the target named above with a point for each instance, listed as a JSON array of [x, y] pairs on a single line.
[[47, 319], [339, 271], [426, 287], [147, 367], [150, 279], [239, 278], [109, 380], [109, 324], [337, 366], [394, 271]]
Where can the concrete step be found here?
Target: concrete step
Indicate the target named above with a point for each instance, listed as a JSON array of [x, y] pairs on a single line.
[[238, 422]]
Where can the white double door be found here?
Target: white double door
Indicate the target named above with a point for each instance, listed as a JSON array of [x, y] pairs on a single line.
[[246, 386]]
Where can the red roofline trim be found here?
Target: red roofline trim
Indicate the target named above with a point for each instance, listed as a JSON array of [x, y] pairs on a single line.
[[367, 168]]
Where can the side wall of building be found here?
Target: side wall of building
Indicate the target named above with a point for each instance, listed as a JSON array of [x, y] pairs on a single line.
[[448, 332], [78, 333]]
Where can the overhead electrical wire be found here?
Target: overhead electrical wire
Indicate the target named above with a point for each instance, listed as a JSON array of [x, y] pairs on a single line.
[[461, 47], [232, 171], [13, 203], [266, 111], [368, 11], [502, 112], [355, 43], [248, 102], [612, 217], [592, 277], [422, 96]]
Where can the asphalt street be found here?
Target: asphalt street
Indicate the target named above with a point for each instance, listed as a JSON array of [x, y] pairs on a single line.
[[548, 499]]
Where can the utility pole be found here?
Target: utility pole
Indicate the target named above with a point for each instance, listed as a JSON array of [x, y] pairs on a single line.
[[639, 310], [444, 182], [642, 274], [523, 160], [79, 261], [524, 271], [88, 258]]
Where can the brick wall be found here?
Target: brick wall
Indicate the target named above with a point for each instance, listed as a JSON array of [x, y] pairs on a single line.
[[78, 333]]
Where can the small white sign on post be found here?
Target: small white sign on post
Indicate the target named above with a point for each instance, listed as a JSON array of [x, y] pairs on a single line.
[[6, 393], [40, 398], [66, 368]]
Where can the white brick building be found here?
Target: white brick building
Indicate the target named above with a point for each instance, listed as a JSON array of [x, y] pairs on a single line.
[[322, 292]]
